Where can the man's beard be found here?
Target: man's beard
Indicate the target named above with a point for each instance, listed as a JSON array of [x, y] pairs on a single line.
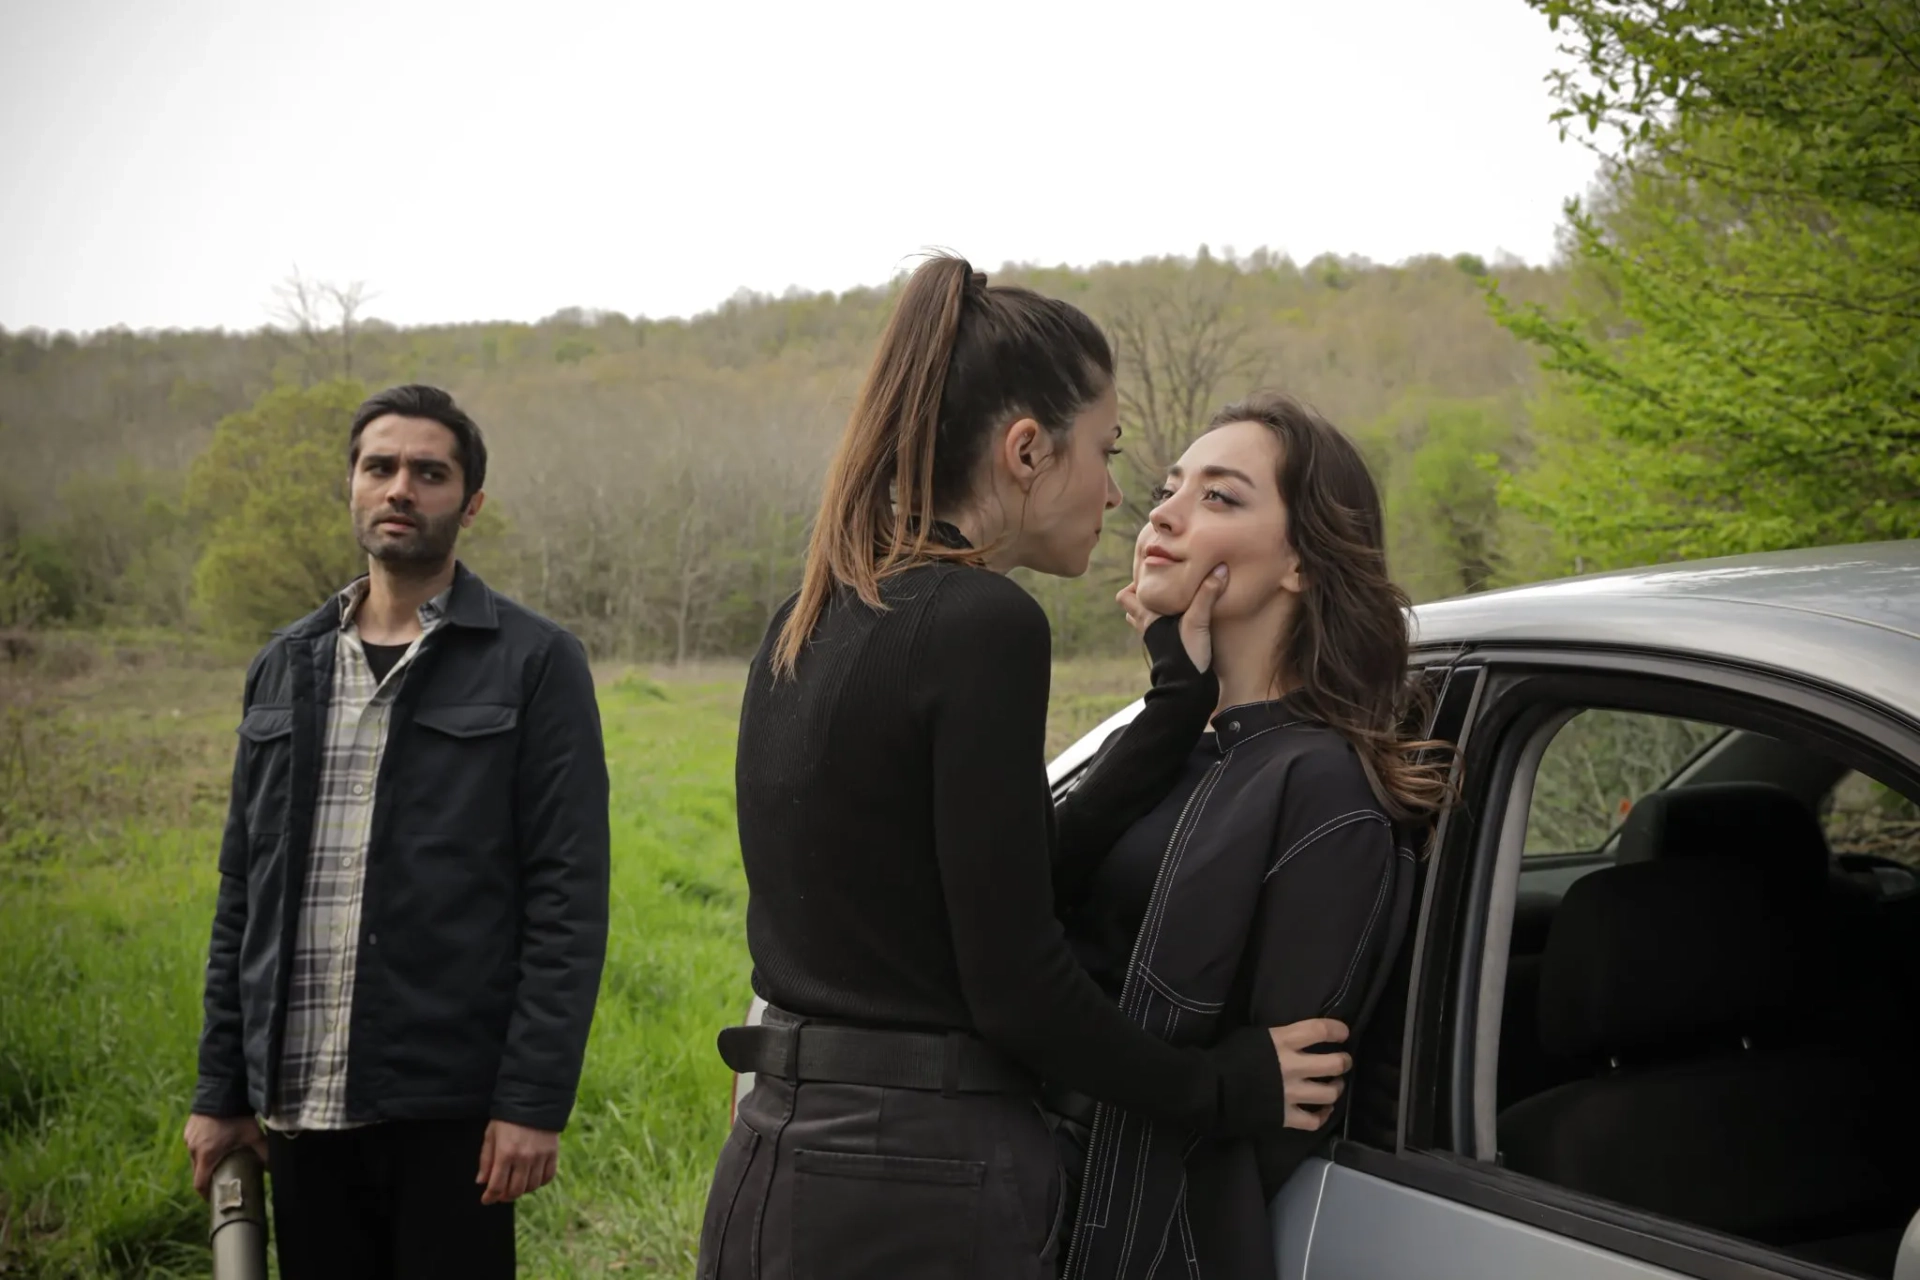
[[427, 545]]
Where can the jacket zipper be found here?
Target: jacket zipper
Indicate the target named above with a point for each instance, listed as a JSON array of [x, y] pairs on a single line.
[[1162, 878]]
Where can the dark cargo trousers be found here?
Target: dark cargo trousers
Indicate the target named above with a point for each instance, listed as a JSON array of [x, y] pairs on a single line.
[[851, 1182]]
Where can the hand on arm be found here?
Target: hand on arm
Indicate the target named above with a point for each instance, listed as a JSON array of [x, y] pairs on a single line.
[[1314, 1081]]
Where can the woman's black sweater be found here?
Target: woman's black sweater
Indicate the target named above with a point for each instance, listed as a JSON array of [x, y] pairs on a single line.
[[897, 832]]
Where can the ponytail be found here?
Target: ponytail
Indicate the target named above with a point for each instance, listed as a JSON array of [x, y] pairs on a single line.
[[957, 359]]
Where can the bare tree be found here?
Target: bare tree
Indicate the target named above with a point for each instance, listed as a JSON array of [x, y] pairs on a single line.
[[318, 319], [1179, 340]]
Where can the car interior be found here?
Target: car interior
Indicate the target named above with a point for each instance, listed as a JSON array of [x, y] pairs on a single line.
[[1711, 1002]]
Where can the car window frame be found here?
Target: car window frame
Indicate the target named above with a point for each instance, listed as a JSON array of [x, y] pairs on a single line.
[[1523, 688], [1453, 713]]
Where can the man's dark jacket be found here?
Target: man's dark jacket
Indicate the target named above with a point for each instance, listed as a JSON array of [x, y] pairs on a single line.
[[484, 922]]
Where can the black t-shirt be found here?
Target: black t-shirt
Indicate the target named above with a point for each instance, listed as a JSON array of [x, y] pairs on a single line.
[[900, 842], [382, 657]]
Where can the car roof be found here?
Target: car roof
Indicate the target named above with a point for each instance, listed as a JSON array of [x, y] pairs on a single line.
[[1847, 616]]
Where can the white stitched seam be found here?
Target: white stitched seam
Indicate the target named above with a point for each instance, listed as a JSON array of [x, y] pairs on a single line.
[[1179, 855], [1139, 1190], [1326, 828], [1330, 825], [1373, 916], [1154, 923], [1165, 1232], [1083, 1225], [1140, 1166], [1116, 1136], [1192, 1006]]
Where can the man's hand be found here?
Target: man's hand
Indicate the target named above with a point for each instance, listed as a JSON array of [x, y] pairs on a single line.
[[210, 1138], [1313, 1082], [515, 1160]]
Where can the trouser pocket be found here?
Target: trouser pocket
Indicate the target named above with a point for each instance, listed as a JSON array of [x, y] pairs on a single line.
[[872, 1217], [729, 1176]]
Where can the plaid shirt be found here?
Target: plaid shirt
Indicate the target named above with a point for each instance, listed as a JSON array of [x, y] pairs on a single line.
[[313, 1062]]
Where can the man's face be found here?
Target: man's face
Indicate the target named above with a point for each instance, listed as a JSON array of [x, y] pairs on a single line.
[[407, 495]]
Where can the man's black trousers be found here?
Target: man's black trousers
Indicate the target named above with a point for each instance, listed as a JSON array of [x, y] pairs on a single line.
[[394, 1201]]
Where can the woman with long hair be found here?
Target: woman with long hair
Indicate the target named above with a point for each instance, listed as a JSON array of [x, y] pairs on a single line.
[[898, 833], [1268, 883]]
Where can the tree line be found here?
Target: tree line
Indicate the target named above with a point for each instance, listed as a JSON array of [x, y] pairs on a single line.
[[1726, 358], [651, 481]]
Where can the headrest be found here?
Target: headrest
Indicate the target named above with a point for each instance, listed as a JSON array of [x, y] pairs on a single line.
[[1755, 821], [1670, 953]]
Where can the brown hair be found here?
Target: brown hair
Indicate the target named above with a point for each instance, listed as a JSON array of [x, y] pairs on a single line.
[[1348, 645], [959, 357]]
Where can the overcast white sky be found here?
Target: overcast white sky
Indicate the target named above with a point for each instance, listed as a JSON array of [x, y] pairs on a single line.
[[164, 162]]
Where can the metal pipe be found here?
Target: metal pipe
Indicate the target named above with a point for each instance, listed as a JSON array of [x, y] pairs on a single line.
[[238, 1235]]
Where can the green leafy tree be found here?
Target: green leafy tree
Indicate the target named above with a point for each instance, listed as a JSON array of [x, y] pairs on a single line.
[[1743, 342], [1439, 461], [271, 488], [130, 545]]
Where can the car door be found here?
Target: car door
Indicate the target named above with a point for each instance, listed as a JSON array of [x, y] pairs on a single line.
[[1429, 1192]]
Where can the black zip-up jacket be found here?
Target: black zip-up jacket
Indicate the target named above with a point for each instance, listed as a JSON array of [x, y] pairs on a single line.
[[484, 922], [1281, 890]]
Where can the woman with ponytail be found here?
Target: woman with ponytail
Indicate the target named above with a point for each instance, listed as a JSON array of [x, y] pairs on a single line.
[[901, 845], [1274, 873]]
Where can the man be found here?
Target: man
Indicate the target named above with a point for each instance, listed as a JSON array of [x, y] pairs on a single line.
[[413, 889]]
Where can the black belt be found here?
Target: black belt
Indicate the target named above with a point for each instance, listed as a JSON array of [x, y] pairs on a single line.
[[812, 1052]]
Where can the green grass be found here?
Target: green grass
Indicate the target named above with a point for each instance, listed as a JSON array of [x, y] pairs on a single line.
[[102, 937], [653, 1099], [113, 773]]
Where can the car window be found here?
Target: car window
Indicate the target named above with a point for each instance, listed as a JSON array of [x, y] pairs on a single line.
[[1599, 763], [1864, 816], [1634, 1043]]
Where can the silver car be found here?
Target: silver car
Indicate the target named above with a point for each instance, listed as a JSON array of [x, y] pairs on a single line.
[[1659, 1014]]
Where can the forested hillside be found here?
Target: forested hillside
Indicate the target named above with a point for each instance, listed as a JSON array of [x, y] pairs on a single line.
[[652, 480]]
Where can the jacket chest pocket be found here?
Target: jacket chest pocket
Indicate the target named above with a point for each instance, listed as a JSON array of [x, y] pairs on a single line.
[[471, 722], [461, 758], [266, 735]]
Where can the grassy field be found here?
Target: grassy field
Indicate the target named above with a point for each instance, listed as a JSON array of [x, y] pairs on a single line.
[[113, 775]]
